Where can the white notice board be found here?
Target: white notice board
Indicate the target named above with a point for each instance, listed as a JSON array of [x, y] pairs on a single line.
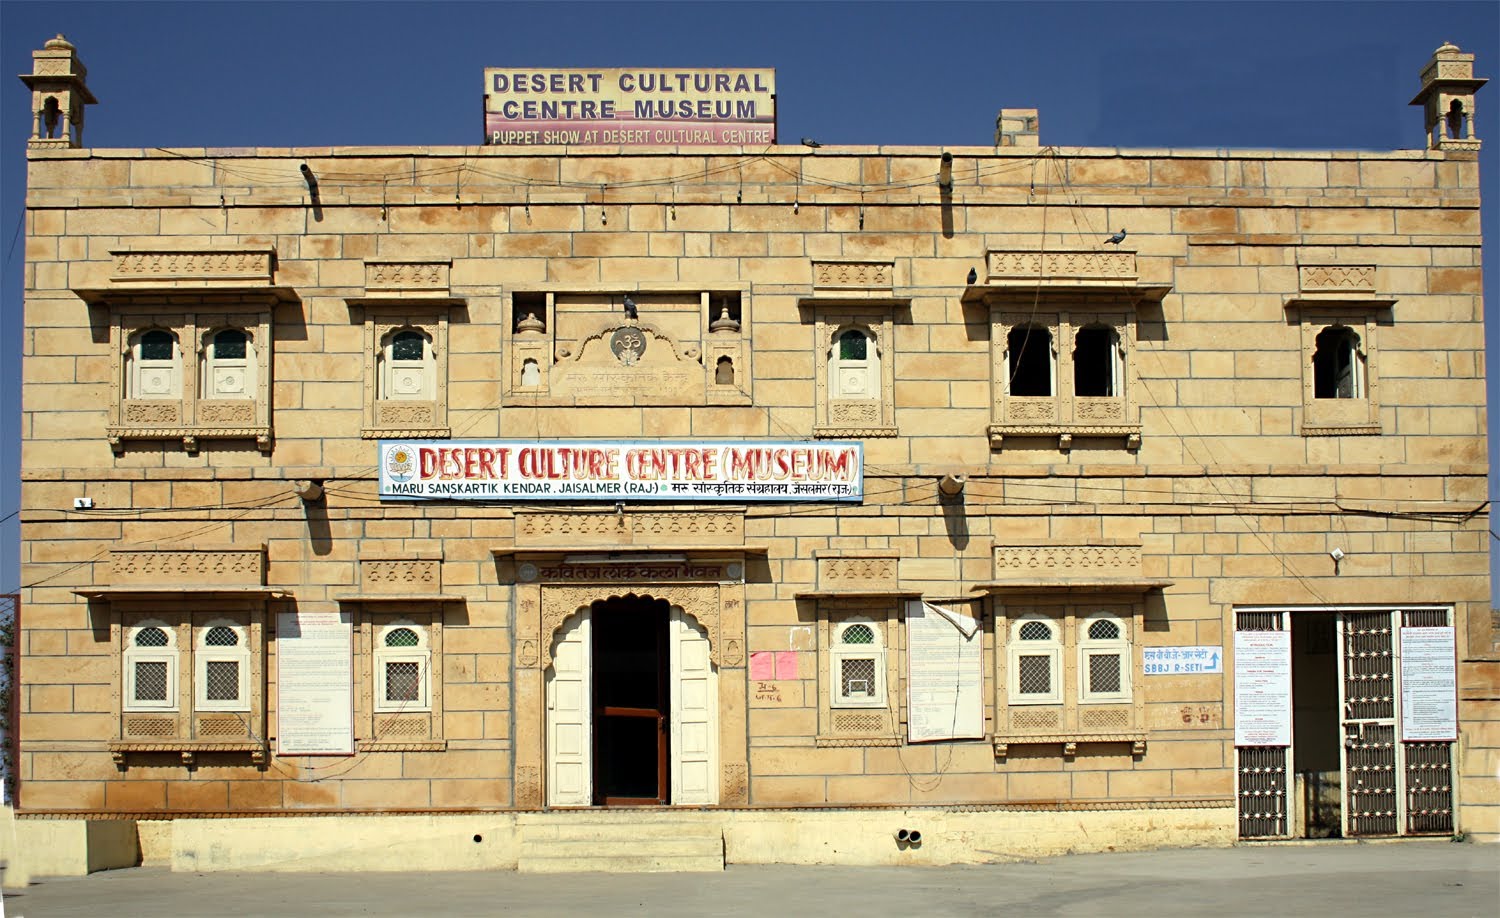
[[945, 674], [1429, 684], [314, 683], [1262, 688]]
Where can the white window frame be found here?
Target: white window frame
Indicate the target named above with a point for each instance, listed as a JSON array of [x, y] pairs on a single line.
[[1052, 649], [839, 652], [203, 654], [420, 654], [426, 367], [839, 368], [212, 364], [1090, 647], [139, 366], [168, 655]]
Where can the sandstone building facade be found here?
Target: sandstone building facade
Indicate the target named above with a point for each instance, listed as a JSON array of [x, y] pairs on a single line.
[[1242, 446]]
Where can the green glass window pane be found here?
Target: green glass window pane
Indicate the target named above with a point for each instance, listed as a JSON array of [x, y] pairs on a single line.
[[229, 345], [852, 346], [401, 637], [156, 345], [407, 346]]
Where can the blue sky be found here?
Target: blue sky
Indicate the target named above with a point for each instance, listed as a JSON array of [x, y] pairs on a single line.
[[1206, 75]]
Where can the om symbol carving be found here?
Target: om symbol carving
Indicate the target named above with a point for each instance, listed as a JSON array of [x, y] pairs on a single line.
[[628, 344]]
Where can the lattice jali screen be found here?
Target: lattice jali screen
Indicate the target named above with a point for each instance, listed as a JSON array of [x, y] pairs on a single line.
[[1035, 719], [222, 725], [1035, 674], [223, 680], [1104, 673], [150, 681], [856, 677], [846, 722], [401, 726], [150, 726], [1104, 718], [403, 681]]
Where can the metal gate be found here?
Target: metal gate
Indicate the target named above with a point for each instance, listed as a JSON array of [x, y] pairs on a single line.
[[1367, 680], [1390, 787], [1261, 771]]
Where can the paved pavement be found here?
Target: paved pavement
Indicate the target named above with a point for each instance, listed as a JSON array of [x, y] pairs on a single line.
[[1326, 879]]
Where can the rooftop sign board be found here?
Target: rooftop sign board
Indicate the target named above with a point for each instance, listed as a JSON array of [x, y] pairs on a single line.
[[510, 470], [630, 107]]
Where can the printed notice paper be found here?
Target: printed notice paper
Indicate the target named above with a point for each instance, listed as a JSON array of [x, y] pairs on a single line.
[[945, 674], [315, 683], [1429, 683], [1262, 688]]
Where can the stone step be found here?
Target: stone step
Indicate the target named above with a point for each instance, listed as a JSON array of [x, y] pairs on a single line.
[[618, 846], [622, 864]]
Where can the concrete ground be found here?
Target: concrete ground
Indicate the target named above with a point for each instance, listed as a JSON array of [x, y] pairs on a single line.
[[1326, 879]]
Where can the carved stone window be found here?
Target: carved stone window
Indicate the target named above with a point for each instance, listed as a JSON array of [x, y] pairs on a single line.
[[150, 665], [406, 373], [1339, 314], [228, 365], [221, 667], [155, 366], [403, 668], [1070, 671], [856, 378], [1062, 335], [857, 664], [402, 645], [219, 389]]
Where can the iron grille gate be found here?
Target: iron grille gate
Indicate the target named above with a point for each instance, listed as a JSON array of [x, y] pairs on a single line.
[[1390, 787], [1261, 771]]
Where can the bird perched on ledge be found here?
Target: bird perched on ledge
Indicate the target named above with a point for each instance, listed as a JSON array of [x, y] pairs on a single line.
[[630, 312], [973, 277], [1117, 238], [809, 142]]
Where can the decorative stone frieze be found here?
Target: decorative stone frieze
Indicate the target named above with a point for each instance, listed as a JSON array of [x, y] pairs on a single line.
[[1078, 264], [700, 527], [1336, 278], [864, 572], [1032, 563], [395, 574], [853, 275], [158, 566], [406, 278], [218, 267]]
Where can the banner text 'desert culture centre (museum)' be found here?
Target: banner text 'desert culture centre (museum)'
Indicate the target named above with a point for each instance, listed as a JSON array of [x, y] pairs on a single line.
[[628, 107], [622, 470]]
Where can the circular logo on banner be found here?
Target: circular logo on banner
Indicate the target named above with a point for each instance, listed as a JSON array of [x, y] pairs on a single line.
[[400, 462]]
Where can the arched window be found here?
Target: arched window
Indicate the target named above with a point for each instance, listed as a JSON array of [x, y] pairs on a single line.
[[403, 676], [407, 367], [724, 372], [151, 661], [1029, 363], [221, 676], [1035, 652], [1338, 364], [229, 365], [854, 366], [155, 366], [1096, 362], [1103, 660], [857, 665]]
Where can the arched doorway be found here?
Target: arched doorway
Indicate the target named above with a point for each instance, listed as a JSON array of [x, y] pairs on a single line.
[[632, 707]]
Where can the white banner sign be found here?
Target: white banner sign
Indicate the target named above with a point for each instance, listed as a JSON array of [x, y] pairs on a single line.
[[314, 683], [1262, 688], [945, 674], [1429, 684], [510, 470], [1177, 661]]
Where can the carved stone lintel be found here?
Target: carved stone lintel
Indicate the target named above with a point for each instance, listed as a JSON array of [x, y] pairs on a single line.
[[701, 602]]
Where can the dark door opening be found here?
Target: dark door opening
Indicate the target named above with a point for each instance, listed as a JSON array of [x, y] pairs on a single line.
[[631, 696], [1315, 723]]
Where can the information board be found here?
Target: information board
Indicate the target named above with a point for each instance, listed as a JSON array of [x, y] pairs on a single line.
[[314, 683], [1262, 688], [944, 676], [1177, 661], [1429, 684]]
